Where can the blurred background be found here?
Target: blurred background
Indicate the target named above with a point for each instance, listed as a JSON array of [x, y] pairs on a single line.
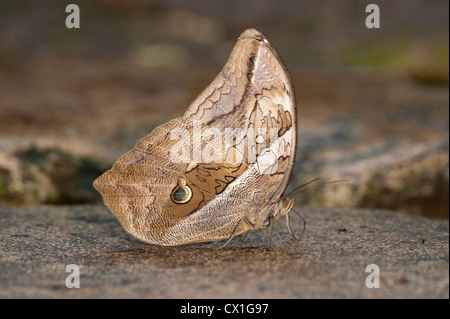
[[373, 104]]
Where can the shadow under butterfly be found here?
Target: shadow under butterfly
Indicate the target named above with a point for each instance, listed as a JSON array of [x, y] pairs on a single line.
[[221, 169]]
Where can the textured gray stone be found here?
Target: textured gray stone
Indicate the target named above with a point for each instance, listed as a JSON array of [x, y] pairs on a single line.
[[49, 170], [37, 243]]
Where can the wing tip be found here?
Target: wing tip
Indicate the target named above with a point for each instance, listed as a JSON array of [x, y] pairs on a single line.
[[252, 33], [98, 182]]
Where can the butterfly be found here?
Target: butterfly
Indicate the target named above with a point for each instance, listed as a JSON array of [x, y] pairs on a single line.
[[221, 169]]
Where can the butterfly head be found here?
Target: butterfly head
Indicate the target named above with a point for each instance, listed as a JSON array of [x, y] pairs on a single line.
[[281, 208], [285, 206]]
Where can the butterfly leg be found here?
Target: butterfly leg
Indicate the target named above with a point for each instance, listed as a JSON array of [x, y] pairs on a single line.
[[288, 225], [243, 237], [297, 240], [235, 233], [269, 234]]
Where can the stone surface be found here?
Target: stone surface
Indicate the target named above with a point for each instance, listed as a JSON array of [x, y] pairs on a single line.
[[49, 170], [37, 243], [387, 137]]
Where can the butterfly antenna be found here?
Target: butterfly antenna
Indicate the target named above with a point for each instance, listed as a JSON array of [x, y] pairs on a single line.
[[304, 186], [308, 185]]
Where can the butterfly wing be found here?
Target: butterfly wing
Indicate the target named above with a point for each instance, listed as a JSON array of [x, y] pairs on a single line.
[[139, 187], [254, 96]]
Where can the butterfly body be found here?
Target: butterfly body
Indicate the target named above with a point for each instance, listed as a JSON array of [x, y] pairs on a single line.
[[221, 169]]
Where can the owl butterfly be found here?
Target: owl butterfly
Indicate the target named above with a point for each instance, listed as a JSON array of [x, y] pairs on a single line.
[[221, 169]]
